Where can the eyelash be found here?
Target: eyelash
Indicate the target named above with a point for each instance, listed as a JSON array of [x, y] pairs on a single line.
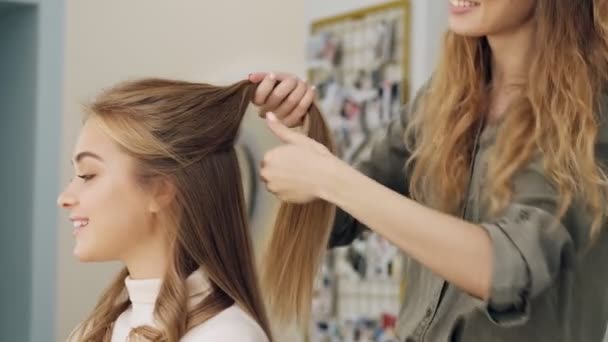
[[86, 177]]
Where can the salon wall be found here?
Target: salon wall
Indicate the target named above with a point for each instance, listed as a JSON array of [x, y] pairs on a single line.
[[429, 21], [17, 61], [31, 51], [112, 40]]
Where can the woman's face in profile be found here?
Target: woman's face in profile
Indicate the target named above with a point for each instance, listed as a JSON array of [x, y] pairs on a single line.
[[108, 208]]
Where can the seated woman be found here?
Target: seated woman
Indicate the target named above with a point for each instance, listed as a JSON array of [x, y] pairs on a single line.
[[158, 189]]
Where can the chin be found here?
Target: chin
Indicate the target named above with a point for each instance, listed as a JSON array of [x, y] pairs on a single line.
[[82, 256], [465, 29], [86, 255]]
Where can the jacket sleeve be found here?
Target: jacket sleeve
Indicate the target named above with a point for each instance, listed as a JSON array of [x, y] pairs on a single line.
[[385, 164]]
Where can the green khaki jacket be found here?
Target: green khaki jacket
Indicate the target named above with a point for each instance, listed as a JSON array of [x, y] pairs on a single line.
[[550, 283]]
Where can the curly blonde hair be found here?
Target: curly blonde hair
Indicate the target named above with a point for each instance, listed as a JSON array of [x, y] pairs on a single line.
[[556, 113]]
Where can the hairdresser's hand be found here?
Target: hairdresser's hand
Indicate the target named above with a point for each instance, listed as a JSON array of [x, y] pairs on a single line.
[[300, 170], [283, 94]]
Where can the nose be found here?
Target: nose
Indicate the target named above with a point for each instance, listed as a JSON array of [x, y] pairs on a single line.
[[66, 200]]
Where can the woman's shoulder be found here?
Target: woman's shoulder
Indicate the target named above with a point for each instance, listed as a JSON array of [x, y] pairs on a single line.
[[230, 325]]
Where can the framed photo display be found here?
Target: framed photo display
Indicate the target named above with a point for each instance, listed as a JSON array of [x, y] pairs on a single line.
[[359, 63]]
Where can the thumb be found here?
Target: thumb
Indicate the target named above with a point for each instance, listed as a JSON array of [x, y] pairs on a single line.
[[256, 77], [283, 132]]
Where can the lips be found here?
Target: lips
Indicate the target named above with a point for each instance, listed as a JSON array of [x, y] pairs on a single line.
[[458, 7], [79, 224], [463, 3]]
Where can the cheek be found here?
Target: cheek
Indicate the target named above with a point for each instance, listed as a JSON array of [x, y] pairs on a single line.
[[507, 15], [117, 221]]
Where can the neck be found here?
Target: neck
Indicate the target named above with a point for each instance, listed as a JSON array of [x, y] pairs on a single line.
[[511, 55], [149, 259]]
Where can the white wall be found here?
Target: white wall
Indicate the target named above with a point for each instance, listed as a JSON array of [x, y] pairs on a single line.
[[429, 21], [47, 172], [111, 40]]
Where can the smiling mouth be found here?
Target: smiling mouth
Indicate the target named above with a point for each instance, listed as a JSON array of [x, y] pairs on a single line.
[[79, 225], [463, 3]]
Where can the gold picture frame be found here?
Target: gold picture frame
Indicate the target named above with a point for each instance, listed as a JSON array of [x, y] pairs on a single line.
[[403, 5], [360, 63]]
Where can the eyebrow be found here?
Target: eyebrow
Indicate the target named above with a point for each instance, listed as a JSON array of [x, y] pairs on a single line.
[[85, 154]]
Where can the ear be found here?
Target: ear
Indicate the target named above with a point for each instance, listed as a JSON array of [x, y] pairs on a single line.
[[162, 194]]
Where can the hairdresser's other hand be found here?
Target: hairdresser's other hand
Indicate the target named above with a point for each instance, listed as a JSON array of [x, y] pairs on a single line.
[[301, 169], [287, 96]]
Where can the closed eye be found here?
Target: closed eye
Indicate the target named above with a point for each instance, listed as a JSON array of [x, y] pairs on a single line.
[[86, 177]]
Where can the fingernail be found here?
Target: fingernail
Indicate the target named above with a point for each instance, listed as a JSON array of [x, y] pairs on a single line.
[[271, 116], [313, 88], [272, 76]]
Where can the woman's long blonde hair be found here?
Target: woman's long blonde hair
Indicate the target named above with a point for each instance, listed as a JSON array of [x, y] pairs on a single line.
[[185, 132], [557, 114]]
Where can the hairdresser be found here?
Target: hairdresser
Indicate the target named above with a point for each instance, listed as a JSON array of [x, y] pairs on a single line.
[[491, 181]]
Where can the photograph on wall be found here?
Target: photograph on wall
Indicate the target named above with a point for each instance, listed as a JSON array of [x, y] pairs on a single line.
[[358, 62], [359, 70]]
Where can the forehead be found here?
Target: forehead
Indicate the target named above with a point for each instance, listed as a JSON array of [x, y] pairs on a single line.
[[92, 138]]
